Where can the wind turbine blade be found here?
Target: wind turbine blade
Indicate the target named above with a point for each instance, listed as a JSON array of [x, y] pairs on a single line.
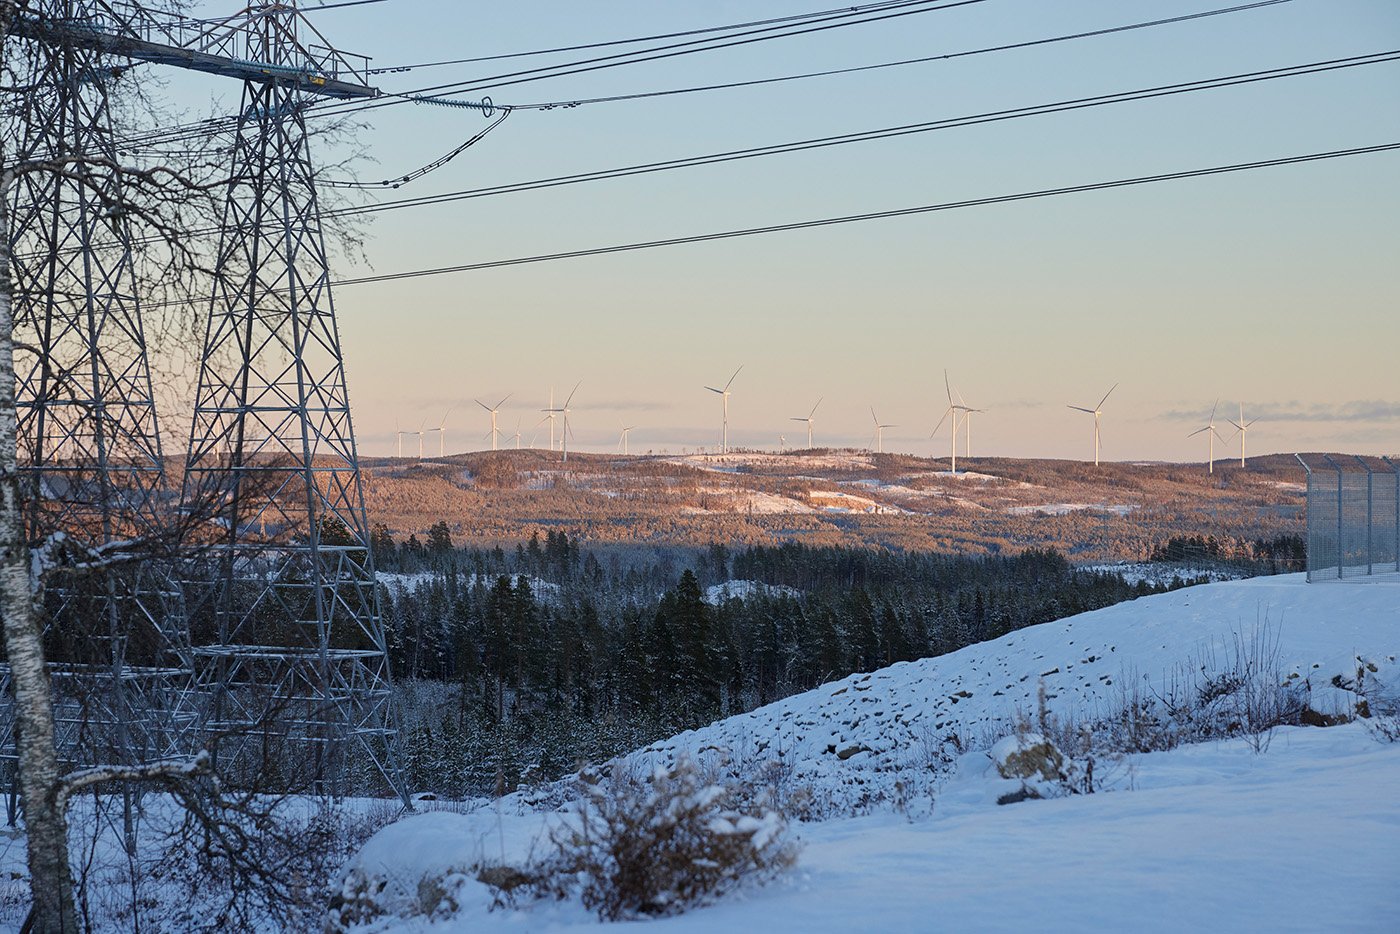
[[713, 389], [940, 421], [1250, 422], [1212, 411], [947, 387], [571, 393], [796, 419], [732, 378], [815, 407], [1080, 408], [873, 417], [505, 400], [1198, 431], [1106, 395]]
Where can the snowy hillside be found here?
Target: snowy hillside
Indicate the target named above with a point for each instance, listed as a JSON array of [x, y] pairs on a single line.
[[1296, 830], [852, 739]]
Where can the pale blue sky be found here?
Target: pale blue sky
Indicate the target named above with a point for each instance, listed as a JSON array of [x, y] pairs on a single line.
[[1277, 286]]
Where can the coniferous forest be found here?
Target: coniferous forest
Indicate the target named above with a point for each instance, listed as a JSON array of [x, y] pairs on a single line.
[[519, 666]]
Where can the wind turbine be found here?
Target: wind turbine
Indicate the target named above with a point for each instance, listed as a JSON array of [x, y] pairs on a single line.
[[564, 411], [782, 443], [441, 429], [955, 409], [398, 436], [1096, 411], [493, 410], [809, 419], [879, 432], [517, 434], [724, 394], [1242, 427], [968, 412], [419, 433], [549, 417], [622, 441], [1211, 434]]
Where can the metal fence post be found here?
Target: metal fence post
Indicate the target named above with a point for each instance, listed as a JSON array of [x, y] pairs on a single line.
[[1370, 518], [1308, 518], [1396, 470]]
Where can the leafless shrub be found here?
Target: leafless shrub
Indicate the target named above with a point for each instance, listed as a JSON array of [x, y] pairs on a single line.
[[659, 845]]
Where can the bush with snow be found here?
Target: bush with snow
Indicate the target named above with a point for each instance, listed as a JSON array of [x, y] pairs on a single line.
[[659, 845]]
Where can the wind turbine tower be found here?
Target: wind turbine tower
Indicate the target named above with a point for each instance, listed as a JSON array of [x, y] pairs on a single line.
[[1096, 411], [1242, 427], [879, 432], [563, 411], [956, 410], [724, 394], [809, 420], [622, 441], [493, 411], [1211, 435]]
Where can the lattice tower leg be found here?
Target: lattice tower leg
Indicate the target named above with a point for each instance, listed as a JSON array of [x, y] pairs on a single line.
[[293, 596], [89, 442]]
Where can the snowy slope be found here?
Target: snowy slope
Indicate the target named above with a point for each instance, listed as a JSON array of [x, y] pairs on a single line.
[[850, 739], [1215, 837], [1298, 833]]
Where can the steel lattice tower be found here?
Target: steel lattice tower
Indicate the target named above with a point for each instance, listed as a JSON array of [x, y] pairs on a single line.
[[89, 443], [291, 644]]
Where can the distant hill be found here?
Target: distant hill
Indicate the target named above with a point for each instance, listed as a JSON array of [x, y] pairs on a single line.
[[1114, 512]]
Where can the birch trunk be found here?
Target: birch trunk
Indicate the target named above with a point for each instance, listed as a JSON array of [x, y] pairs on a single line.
[[46, 825]]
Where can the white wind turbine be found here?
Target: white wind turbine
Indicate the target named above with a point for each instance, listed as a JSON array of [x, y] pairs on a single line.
[[419, 433], [724, 394], [1242, 427], [809, 420], [493, 410], [398, 436], [1096, 411], [548, 417], [879, 432], [622, 441], [517, 434], [1211, 434], [563, 411], [782, 443], [441, 429], [956, 410], [968, 411]]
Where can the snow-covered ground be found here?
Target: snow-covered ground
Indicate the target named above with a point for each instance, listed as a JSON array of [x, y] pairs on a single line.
[[1215, 837], [1299, 831]]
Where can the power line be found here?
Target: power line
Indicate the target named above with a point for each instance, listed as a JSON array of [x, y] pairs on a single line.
[[223, 124], [874, 215], [995, 116], [550, 105], [639, 39], [947, 123], [765, 34]]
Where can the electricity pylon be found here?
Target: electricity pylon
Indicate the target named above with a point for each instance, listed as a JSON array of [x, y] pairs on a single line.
[[288, 642], [88, 440]]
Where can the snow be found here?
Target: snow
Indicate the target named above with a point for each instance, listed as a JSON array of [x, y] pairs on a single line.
[[1298, 830], [896, 718], [1136, 572], [718, 593], [1213, 837], [1064, 509]]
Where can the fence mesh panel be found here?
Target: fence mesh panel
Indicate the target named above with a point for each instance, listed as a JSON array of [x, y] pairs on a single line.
[[1353, 521]]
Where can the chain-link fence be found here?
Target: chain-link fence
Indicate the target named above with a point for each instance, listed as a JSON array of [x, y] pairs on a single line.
[[1353, 517]]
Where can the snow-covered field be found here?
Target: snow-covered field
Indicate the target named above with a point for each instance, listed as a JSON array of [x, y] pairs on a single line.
[[1297, 831], [1213, 837]]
